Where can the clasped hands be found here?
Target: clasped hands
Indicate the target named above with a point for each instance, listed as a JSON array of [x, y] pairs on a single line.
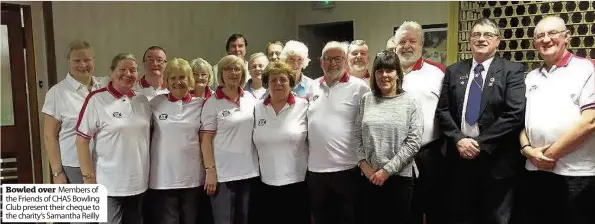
[[540, 157], [468, 148], [376, 177]]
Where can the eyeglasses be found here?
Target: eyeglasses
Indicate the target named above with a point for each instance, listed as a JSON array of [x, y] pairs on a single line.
[[487, 35], [158, 60], [550, 34], [234, 69], [336, 59]]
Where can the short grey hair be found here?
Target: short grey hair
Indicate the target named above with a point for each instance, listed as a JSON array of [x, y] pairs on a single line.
[[295, 48], [343, 46], [408, 26], [485, 22], [356, 43]]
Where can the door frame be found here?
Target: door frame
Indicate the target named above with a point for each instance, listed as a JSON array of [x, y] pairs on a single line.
[[31, 80]]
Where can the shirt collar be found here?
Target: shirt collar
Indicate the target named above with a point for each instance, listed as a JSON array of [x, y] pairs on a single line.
[[116, 94], [367, 75], [220, 95], [419, 64], [185, 99], [207, 92], [77, 85], [303, 82], [563, 62], [145, 84], [290, 99], [344, 78], [486, 64]]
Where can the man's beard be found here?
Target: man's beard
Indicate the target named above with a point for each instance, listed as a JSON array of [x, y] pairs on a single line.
[[335, 74], [408, 59], [358, 67]]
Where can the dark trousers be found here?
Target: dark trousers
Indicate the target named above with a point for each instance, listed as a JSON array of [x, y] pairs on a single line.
[[389, 203], [333, 196], [286, 204], [205, 211], [477, 197], [430, 192], [549, 198], [173, 206], [231, 202], [125, 209]]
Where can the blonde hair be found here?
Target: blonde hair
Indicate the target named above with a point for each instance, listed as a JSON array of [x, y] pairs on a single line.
[[228, 61], [295, 48], [179, 65], [202, 64], [257, 55], [78, 45], [276, 68], [120, 57]]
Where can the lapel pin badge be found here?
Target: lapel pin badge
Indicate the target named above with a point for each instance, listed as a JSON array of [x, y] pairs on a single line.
[[491, 81], [462, 82]]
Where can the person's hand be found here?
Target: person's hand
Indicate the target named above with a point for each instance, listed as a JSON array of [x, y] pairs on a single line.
[[211, 181], [468, 148], [379, 177], [367, 169], [537, 158], [60, 179]]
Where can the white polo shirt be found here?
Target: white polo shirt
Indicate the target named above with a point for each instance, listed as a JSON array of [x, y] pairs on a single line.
[[555, 100], [424, 82], [142, 87], [232, 123], [120, 125], [281, 141], [331, 116], [208, 93], [63, 102], [175, 147]]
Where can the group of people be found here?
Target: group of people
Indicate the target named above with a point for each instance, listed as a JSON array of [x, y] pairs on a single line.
[[258, 141]]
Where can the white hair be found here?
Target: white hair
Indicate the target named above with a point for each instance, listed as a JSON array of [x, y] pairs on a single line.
[[343, 46], [408, 26], [390, 43], [295, 48]]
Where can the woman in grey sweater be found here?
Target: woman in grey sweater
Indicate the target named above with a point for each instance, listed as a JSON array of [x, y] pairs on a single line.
[[388, 128]]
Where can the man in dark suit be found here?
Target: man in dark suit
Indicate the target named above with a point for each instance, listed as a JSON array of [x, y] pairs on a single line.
[[481, 110]]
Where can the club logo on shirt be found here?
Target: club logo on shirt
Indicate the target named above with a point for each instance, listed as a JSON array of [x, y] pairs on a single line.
[[262, 122], [163, 117], [225, 113], [315, 98], [117, 114]]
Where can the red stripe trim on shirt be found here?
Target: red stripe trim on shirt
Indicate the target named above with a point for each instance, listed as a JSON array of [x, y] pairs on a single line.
[[587, 106], [82, 112]]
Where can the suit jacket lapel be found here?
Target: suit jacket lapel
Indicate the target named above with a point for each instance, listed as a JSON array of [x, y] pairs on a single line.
[[488, 88], [462, 78]]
